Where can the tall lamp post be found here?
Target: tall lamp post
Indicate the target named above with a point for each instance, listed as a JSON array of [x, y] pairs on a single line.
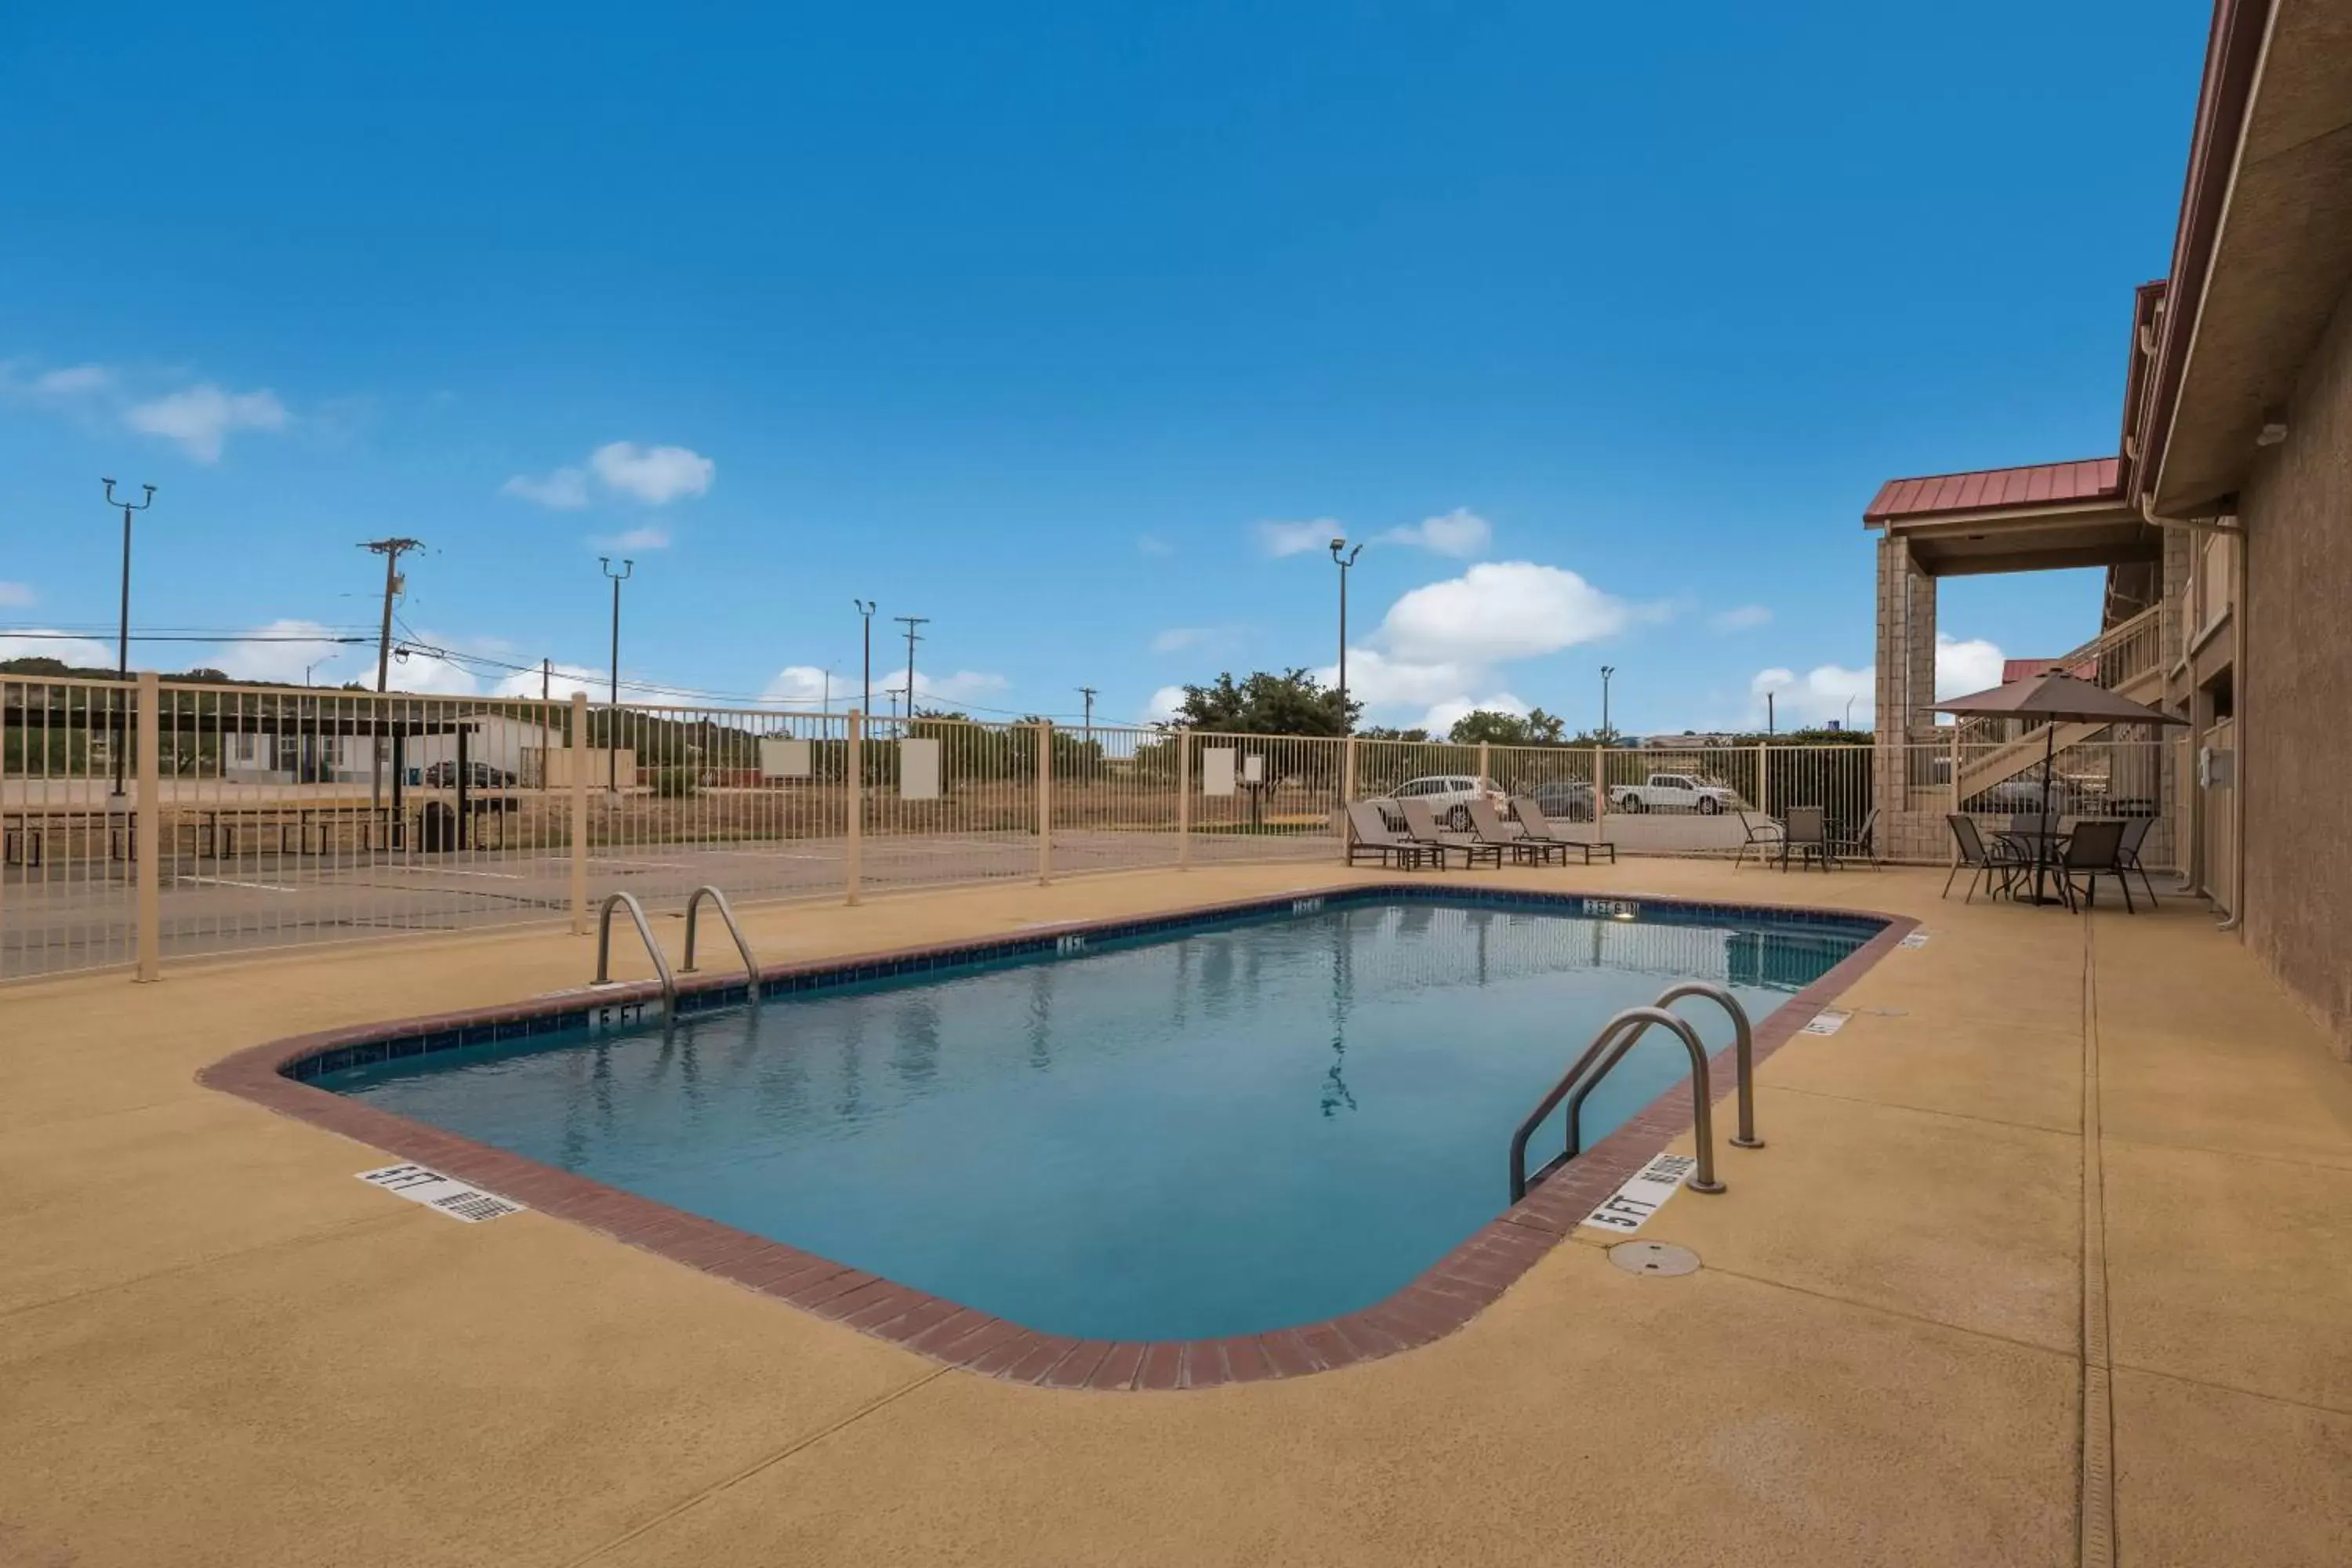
[[1606, 671], [122, 637], [613, 718], [1344, 561], [866, 614]]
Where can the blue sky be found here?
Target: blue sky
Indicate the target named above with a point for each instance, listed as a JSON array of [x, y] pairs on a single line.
[[1059, 325]]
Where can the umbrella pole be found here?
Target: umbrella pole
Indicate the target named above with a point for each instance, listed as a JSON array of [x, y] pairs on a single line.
[[2042, 838]]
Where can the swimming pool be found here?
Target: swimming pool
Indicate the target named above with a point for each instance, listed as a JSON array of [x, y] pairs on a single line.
[[1180, 1129]]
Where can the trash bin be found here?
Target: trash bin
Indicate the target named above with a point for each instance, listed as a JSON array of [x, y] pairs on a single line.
[[437, 826]]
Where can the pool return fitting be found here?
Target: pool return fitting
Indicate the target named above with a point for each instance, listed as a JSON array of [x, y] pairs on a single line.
[[1618, 1036]]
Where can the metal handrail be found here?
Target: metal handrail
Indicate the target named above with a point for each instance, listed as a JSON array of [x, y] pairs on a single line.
[[1743, 1050], [1616, 1038], [727, 913], [653, 949]]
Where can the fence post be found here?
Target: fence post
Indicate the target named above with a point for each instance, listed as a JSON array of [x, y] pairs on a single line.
[[1044, 802], [853, 781], [1347, 795], [147, 834], [1599, 790], [1485, 763], [1954, 744], [578, 758], [1183, 798], [1763, 778]]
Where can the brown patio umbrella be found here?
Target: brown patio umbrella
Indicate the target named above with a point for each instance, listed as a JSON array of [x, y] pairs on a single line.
[[2056, 699]]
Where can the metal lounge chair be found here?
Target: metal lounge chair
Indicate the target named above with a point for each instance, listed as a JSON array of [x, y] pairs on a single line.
[[1860, 844], [2135, 831], [1419, 825], [1536, 825], [1763, 837], [1806, 834], [2094, 849], [1981, 860], [1368, 832], [1487, 826]]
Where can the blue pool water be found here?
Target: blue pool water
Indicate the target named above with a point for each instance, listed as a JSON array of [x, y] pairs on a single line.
[[1224, 1129]]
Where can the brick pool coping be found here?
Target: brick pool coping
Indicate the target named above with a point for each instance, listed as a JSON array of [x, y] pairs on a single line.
[[1445, 1297]]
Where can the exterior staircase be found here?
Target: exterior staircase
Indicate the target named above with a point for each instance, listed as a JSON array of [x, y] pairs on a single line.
[[2125, 658]]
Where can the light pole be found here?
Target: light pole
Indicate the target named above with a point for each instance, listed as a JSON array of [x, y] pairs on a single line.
[[613, 718], [122, 637], [866, 614], [1848, 713], [1606, 733], [1343, 562]]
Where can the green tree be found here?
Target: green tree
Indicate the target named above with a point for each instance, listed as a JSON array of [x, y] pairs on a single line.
[[1536, 728], [1290, 703]]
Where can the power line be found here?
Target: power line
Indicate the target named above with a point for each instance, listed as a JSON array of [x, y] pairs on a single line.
[[53, 636]]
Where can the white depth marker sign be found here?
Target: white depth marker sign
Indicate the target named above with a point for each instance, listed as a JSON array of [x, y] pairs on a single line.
[[1643, 1191], [1826, 1023], [1917, 939], [445, 1194]]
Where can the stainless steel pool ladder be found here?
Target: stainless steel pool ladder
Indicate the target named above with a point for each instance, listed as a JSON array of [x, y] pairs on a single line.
[[1618, 1036], [653, 949], [727, 913]]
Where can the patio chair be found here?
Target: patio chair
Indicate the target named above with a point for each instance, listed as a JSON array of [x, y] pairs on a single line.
[[2135, 831], [1369, 833], [1422, 825], [1765, 837], [1981, 860], [1860, 844], [1487, 826], [1537, 826], [2094, 849], [1806, 834]]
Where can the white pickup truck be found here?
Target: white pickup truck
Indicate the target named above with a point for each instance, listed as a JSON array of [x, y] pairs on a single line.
[[1674, 792]]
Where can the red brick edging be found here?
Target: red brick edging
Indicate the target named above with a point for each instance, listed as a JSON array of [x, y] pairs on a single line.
[[1448, 1295]]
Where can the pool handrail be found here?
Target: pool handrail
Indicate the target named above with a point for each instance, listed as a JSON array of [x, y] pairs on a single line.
[[1743, 1049], [653, 949], [1608, 1049], [726, 913]]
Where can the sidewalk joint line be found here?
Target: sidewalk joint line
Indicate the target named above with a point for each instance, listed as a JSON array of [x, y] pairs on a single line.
[[2096, 1508]]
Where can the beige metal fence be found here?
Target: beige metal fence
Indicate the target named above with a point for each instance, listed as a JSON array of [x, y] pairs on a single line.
[[291, 816]]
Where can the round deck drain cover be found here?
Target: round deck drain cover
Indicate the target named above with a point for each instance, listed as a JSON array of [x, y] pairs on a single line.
[[1653, 1258]]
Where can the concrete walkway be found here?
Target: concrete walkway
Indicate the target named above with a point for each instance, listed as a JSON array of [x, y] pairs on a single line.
[[1937, 1323]]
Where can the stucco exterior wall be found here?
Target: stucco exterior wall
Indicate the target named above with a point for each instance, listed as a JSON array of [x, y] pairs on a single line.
[[2295, 731]]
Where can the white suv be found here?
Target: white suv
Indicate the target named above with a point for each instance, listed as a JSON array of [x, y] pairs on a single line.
[[1449, 796]]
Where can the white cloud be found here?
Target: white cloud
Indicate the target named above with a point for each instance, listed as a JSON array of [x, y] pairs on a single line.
[[559, 683], [804, 685], [1501, 610], [82, 653], [964, 686], [1820, 694], [1279, 539], [295, 645], [201, 418], [1152, 544], [1178, 639], [563, 490], [1443, 716], [1458, 532], [73, 381], [15, 595], [635, 539], [1377, 680], [654, 475], [1746, 617], [1164, 705]]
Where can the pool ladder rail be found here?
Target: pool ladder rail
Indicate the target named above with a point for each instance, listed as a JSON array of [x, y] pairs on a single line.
[[625, 901], [1618, 1036]]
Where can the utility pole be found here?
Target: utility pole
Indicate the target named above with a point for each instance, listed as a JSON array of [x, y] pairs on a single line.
[[123, 637], [391, 550], [546, 677], [1344, 563], [1772, 721], [910, 622], [613, 715], [865, 614], [1088, 693]]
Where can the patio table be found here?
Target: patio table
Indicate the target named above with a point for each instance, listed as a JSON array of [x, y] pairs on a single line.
[[2041, 849]]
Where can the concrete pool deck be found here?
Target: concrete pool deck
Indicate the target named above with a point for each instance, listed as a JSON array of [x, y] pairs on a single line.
[[217, 1347]]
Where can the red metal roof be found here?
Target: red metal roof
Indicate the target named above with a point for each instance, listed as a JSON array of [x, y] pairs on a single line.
[[2037, 484]]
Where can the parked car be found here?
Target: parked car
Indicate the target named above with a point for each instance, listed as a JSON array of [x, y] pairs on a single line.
[[442, 775], [1674, 792], [1450, 795], [1566, 802]]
